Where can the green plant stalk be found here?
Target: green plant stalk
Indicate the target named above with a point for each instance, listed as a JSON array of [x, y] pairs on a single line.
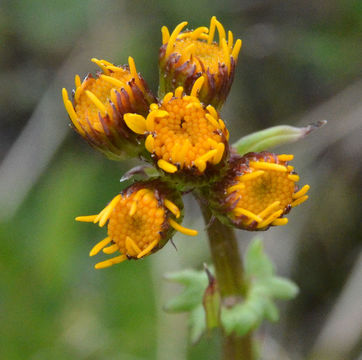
[[229, 273]]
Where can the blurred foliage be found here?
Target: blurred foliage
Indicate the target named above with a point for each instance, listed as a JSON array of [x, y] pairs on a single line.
[[295, 56]]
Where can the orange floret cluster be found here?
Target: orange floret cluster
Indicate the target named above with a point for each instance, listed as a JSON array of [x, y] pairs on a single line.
[[182, 133], [187, 55], [261, 190], [203, 55], [136, 223], [139, 223]]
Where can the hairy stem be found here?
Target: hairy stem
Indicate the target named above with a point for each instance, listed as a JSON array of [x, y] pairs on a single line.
[[229, 273]]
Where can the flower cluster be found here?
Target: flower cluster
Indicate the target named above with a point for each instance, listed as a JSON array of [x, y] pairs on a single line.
[[180, 133]]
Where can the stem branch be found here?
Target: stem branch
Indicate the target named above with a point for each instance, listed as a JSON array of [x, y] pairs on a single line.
[[229, 273]]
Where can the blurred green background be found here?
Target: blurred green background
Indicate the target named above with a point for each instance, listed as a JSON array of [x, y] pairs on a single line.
[[300, 63]]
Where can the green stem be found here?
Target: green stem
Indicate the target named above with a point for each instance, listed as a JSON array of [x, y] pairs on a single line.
[[229, 273]]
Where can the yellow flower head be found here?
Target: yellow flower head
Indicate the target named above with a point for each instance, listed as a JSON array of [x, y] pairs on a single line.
[[182, 136], [99, 104], [187, 55], [140, 221], [258, 190]]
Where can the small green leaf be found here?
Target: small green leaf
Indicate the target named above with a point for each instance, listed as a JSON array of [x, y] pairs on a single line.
[[274, 136], [271, 311], [281, 288], [257, 263], [263, 288], [197, 323], [195, 284], [239, 319]]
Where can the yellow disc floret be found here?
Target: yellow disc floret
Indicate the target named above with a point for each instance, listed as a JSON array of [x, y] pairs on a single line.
[[262, 191], [139, 223], [181, 133]]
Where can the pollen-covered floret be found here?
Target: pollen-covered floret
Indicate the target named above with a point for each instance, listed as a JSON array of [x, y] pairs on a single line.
[[187, 55], [258, 190], [140, 221], [100, 102], [181, 134]]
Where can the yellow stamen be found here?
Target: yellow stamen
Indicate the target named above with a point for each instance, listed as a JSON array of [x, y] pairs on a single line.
[[101, 65], [220, 30], [150, 120], [173, 208], [252, 175], [194, 105], [173, 38], [200, 162], [301, 192], [166, 99], [280, 222], [299, 201], [131, 245], [240, 211], [182, 229], [220, 152], [111, 249], [118, 259], [230, 40], [293, 177], [166, 166], [212, 142], [179, 91], [175, 155], [269, 209], [148, 249], [222, 124], [133, 71], [197, 32], [133, 208], [137, 123], [270, 219], [236, 50], [150, 143], [153, 107], [185, 148], [267, 166], [88, 218], [165, 35], [113, 81], [212, 120], [235, 188], [77, 81], [110, 262], [103, 219], [71, 112], [212, 111], [98, 247], [103, 264], [96, 219], [225, 50], [212, 30], [136, 198], [290, 168], [115, 68], [97, 102], [285, 157]]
